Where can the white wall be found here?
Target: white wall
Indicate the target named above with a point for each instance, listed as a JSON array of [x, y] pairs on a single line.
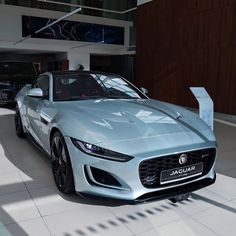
[[11, 31], [76, 58]]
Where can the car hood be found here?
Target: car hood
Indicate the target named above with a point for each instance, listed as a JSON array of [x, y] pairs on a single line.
[[110, 123]]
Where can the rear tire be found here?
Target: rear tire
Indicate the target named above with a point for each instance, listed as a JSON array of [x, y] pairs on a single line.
[[18, 124], [61, 164]]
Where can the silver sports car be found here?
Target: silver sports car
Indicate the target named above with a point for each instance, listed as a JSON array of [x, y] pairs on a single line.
[[106, 137]]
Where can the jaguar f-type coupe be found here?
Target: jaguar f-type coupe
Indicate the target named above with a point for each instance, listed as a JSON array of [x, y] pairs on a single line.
[[106, 137]]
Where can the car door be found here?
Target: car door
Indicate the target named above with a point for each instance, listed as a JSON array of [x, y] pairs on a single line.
[[35, 105]]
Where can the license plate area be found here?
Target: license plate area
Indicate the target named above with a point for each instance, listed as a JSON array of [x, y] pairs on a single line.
[[180, 173]]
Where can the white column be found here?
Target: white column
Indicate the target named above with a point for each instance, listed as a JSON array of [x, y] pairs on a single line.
[[77, 57]]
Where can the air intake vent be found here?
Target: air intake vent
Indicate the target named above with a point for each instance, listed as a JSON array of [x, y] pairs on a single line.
[[104, 178]]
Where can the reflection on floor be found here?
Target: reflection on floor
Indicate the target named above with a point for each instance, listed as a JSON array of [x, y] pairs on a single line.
[[31, 205]]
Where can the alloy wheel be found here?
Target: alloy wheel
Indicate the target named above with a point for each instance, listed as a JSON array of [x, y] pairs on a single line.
[[59, 162]]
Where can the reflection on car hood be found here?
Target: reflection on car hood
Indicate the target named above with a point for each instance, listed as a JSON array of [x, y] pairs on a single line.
[[108, 121]]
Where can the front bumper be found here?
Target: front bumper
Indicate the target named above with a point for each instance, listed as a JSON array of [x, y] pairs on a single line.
[[127, 174], [166, 193], [175, 191]]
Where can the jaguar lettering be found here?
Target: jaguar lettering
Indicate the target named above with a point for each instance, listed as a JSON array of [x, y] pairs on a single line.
[[183, 170]]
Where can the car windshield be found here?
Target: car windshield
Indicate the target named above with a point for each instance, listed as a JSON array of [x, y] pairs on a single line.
[[92, 86], [16, 68]]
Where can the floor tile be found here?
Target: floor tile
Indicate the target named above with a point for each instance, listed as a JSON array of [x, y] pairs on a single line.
[[6, 167], [225, 164], [226, 136], [183, 227], [17, 207], [220, 219], [151, 232], [50, 201], [143, 217], [6, 111], [224, 187], [28, 158], [11, 183], [20, 152], [2, 151], [226, 155], [199, 201], [230, 173], [34, 227], [38, 178], [25, 158], [233, 201], [86, 221]]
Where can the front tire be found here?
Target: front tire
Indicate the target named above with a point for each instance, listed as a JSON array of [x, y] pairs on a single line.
[[61, 164], [18, 124]]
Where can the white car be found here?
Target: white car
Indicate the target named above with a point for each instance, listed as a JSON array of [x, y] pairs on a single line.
[[106, 137]]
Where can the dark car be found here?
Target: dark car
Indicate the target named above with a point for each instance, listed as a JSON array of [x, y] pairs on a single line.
[[13, 76]]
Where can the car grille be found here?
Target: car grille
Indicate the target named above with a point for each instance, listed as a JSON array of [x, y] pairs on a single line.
[[150, 170]]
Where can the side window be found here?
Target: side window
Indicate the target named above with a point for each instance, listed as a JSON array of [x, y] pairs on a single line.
[[43, 83]]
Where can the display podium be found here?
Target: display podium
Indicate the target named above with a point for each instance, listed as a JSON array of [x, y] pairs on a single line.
[[206, 105]]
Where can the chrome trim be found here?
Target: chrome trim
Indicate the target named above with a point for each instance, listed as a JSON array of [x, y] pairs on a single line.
[[179, 179]]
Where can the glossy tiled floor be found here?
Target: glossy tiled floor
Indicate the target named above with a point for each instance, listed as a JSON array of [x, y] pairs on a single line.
[[31, 205]]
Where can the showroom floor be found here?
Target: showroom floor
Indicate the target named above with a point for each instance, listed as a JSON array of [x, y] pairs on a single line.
[[31, 205]]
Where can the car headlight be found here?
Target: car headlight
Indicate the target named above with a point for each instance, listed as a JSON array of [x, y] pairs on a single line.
[[94, 150]]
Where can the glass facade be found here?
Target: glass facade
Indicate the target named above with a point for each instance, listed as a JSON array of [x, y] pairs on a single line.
[[73, 31], [117, 5]]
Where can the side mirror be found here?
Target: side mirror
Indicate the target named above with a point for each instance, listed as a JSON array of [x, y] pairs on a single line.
[[144, 90], [35, 93]]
